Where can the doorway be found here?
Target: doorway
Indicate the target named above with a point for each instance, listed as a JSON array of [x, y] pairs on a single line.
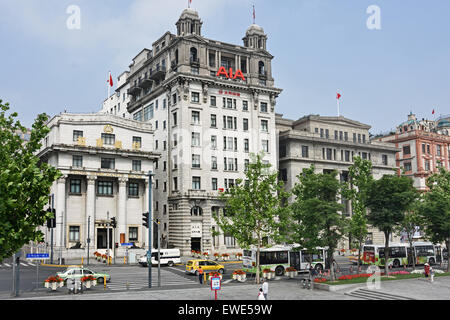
[[196, 244], [102, 238]]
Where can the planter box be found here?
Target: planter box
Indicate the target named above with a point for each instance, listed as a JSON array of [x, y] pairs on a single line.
[[241, 277], [87, 284], [54, 285]]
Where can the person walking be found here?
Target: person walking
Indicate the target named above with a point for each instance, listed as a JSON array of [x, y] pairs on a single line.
[[261, 294], [265, 288], [431, 274], [427, 269], [200, 275]]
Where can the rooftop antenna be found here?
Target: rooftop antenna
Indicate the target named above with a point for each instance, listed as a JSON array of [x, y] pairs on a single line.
[[254, 14]]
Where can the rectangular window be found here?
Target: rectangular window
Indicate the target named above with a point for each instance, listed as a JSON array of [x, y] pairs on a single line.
[[214, 163], [427, 165], [327, 133], [428, 149], [175, 162], [195, 117], [423, 147], [245, 105], [230, 143], [438, 150], [245, 124], [214, 184], [196, 185], [108, 163], [336, 137], [105, 188], [195, 161], [265, 145], [175, 184], [229, 103], [229, 122], [406, 150], [346, 136], [77, 134], [174, 98], [137, 116], [195, 139], [263, 107], [265, 125], [133, 233], [195, 97], [329, 153], [75, 186], [305, 152], [213, 101], [213, 121], [213, 142], [77, 161], [322, 133], [133, 189], [364, 138], [246, 164], [174, 117], [384, 159], [246, 145], [137, 142], [408, 166], [136, 165], [347, 156], [109, 139], [148, 112], [74, 233], [341, 135]]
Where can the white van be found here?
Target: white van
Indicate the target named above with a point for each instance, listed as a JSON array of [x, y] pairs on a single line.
[[168, 257]]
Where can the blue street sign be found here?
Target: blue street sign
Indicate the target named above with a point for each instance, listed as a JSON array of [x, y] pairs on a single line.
[[38, 256], [215, 284], [126, 244]]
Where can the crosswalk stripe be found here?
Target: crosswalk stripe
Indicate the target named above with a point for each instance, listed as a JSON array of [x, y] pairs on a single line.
[[24, 264], [7, 265]]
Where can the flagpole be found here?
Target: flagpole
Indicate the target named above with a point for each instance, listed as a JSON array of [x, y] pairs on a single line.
[[338, 103], [109, 86]]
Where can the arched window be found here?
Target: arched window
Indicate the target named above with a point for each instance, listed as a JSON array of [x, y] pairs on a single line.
[[193, 54], [196, 212], [261, 67], [176, 56]]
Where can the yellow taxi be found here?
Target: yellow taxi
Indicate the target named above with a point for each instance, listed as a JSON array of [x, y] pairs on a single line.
[[192, 266]]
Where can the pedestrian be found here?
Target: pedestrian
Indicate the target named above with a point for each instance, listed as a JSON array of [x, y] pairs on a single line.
[[431, 274], [265, 288], [200, 275], [427, 270], [261, 294]]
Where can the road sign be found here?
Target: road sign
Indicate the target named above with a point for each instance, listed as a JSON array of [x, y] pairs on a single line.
[[215, 285], [126, 244], [37, 256]]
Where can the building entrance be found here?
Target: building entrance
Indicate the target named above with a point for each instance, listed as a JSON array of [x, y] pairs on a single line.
[[102, 238], [196, 244]]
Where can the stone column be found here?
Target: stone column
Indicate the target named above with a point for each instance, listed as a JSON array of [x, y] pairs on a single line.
[[60, 205], [90, 210], [122, 206]]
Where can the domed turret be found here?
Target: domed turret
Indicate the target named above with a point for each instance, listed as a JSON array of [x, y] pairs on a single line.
[[255, 37], [189, 23]]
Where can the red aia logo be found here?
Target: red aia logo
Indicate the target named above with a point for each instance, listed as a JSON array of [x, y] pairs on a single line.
[[223, 72]]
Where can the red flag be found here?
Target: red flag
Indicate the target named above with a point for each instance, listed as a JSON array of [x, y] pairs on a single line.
[[254, 14], [338, 96], [432, 112], [110, 81]]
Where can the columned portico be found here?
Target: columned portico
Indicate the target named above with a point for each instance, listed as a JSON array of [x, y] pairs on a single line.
[[90, 208], [60, 210], [122, 220]]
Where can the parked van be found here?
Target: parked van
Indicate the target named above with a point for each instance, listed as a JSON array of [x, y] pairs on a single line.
[[168, 257]]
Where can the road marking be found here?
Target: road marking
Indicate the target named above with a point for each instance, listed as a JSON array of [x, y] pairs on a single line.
[[6, 265], [31, 264], [24, 264]]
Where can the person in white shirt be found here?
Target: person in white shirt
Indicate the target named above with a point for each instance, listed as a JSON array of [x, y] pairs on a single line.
[[261, 294], [265, 288]]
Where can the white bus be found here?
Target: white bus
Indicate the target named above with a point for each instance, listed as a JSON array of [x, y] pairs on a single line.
[[168, 257], [400, 254], [278, 258]]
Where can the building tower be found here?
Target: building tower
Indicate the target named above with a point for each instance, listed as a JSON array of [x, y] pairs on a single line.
[[189, 23]]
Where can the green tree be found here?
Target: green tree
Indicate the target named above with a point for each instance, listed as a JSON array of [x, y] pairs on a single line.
[[24, 183], [360, 176], [315, 213], [388, 199], [254, 208], [408, 226], [435, 208]]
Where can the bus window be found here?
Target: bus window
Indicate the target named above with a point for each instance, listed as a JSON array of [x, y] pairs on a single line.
[[424, 251], [397, 252]]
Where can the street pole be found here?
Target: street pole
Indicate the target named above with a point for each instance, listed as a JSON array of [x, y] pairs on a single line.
[[150, 220], [159, 257], [51, 230], [88, 239], [107, 236]]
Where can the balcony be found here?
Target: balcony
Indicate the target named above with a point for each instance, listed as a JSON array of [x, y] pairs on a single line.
[[158, 73], [195, 62], [262, 75], [146, 83], [134, 90], [173, 64]]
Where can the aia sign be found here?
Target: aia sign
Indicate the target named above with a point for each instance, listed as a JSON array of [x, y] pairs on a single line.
[[229, 74]]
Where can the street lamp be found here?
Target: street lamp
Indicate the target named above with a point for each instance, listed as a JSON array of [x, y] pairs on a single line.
[[149, 253]]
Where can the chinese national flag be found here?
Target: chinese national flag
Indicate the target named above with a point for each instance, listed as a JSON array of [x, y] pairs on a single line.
[[338, 96], [110, 80], [432, 112]]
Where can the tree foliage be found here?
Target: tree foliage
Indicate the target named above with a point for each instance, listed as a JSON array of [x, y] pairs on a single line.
[[315, 212], [389, 198], [24, 183], [254, 208], [435, 208]]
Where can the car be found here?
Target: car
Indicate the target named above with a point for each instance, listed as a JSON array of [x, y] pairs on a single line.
[[76, 272], [192, 266]]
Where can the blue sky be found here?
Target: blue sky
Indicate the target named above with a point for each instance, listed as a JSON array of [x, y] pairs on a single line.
[[320, 46]]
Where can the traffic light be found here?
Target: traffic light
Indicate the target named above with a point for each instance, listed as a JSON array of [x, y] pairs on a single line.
[[113, 222], [51, 222], [145, 217]]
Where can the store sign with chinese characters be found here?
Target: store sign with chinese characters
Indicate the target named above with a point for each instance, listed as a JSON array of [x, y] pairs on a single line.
[[231, 93], [196, 230]]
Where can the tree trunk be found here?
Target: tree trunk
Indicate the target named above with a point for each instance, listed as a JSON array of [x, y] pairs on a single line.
[[386, 253], [447, 243], [413, 255], [330, 259], [359, 255], [257, 261]]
